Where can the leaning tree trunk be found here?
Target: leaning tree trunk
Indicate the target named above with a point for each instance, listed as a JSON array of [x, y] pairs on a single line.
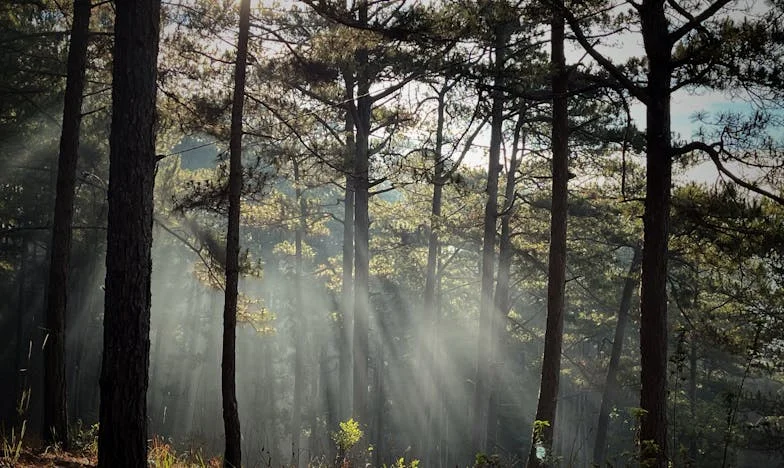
[[485, 340], [610, 392], [553, 340], [55, 406], [122, 437], [653, 290], [361, 231], [231, 420]]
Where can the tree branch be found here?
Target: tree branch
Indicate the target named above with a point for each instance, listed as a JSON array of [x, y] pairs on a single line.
[[715, 155], [696, 21]]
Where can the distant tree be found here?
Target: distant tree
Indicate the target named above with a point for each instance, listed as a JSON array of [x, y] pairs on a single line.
[[55, 408], [231, 421], [122, 437], [611, 387]]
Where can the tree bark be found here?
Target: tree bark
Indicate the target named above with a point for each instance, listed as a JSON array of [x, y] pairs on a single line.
[[610, 391], [55, 400], [481, 396], [122, 437], [345, 370], [553, 340], [231, 421], [653, 292], [361, 231]]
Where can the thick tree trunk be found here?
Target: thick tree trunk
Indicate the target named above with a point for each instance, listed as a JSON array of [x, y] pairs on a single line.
[[345, 369], [361, 232], [653, 293], [55, 400], [122, 437], [481, 398], [553, 339], [610, 392], [231, 421]]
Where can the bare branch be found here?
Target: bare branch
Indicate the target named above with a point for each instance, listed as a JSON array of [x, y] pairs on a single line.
[[697, 21]]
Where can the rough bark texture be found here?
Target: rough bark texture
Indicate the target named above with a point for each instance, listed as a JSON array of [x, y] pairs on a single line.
[[231, 421], [122, 437], [481, 398], [361, 232], [553, 339], [55, 402], [610, 392], [653, 294]]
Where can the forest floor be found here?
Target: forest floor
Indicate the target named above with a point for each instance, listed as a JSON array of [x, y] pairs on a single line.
[[160, 454], [28, 459]]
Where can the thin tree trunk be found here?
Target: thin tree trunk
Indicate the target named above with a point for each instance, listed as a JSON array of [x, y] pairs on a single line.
[[55, 399], [321, 405], [22, 355], [653, 292], [379, 402], [481, 400], [430, 338], [693, 440], [345, 369], [553, 340], [610, 392], [122, 437], [298, 323], [501, 300], [231, 420], [362, 231]]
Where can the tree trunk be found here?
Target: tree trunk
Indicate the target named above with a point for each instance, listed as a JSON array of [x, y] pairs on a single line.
[[553, 340], [22, 356], [430, 334], [345, 370], [55, 402], [122, 437], [693, 436], [378, 402], [501, 300], [653, 291], [610, 392], [231, 420], [299, 325], [362, 231], [481, 400]]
